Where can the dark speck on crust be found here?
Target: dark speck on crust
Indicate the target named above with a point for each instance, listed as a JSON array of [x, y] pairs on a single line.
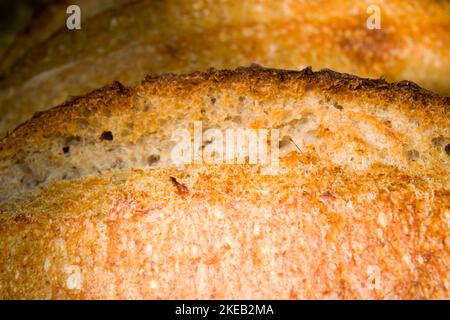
[[106, 135], [181, 188]]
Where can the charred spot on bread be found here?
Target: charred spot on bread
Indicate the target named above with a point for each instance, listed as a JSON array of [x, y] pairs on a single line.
[[181, 188], [153, 159], [285, 140], [338, 106], [106, 135]]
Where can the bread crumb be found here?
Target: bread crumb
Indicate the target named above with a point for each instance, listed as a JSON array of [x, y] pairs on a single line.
[[153, 284], [47, 264], [408, 262], [256, 230], [382, 219], [74, 280]]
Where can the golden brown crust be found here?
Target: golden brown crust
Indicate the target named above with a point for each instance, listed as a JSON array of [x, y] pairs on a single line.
[[352, 121], [324, 227], [315, 231], [410, 99], [185, 36]]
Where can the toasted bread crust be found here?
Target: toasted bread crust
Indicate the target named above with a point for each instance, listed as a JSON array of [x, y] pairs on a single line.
[[410, 99], [377, 122], [184, 36], [363, 225], [316, 231]]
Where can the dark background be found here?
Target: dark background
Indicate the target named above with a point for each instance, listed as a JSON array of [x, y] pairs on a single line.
[[14, 15]]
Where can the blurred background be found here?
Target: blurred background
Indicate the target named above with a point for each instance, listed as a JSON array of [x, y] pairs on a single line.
[[14, 16]]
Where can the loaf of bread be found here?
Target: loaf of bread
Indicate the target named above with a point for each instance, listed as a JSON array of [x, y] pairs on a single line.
[[132, 38], [93, 205]]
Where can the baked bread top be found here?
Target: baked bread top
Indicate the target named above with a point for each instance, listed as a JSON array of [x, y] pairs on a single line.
[[352, 122], [315, 231], [92, 206], [126, 42]]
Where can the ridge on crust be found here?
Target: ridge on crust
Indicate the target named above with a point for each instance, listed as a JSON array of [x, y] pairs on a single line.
[[351, 121]]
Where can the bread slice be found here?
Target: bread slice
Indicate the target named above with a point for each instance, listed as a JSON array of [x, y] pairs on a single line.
[[127, 42], [93, 207]]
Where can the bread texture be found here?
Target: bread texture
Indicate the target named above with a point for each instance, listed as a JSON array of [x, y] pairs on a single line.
[[126, 42], [92, 206]]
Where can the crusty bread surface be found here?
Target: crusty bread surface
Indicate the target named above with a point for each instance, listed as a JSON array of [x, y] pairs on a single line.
[[92, 206], [126, 42]]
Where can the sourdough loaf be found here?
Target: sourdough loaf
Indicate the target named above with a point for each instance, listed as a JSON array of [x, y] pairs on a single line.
[[128, 41], [93, 207]]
